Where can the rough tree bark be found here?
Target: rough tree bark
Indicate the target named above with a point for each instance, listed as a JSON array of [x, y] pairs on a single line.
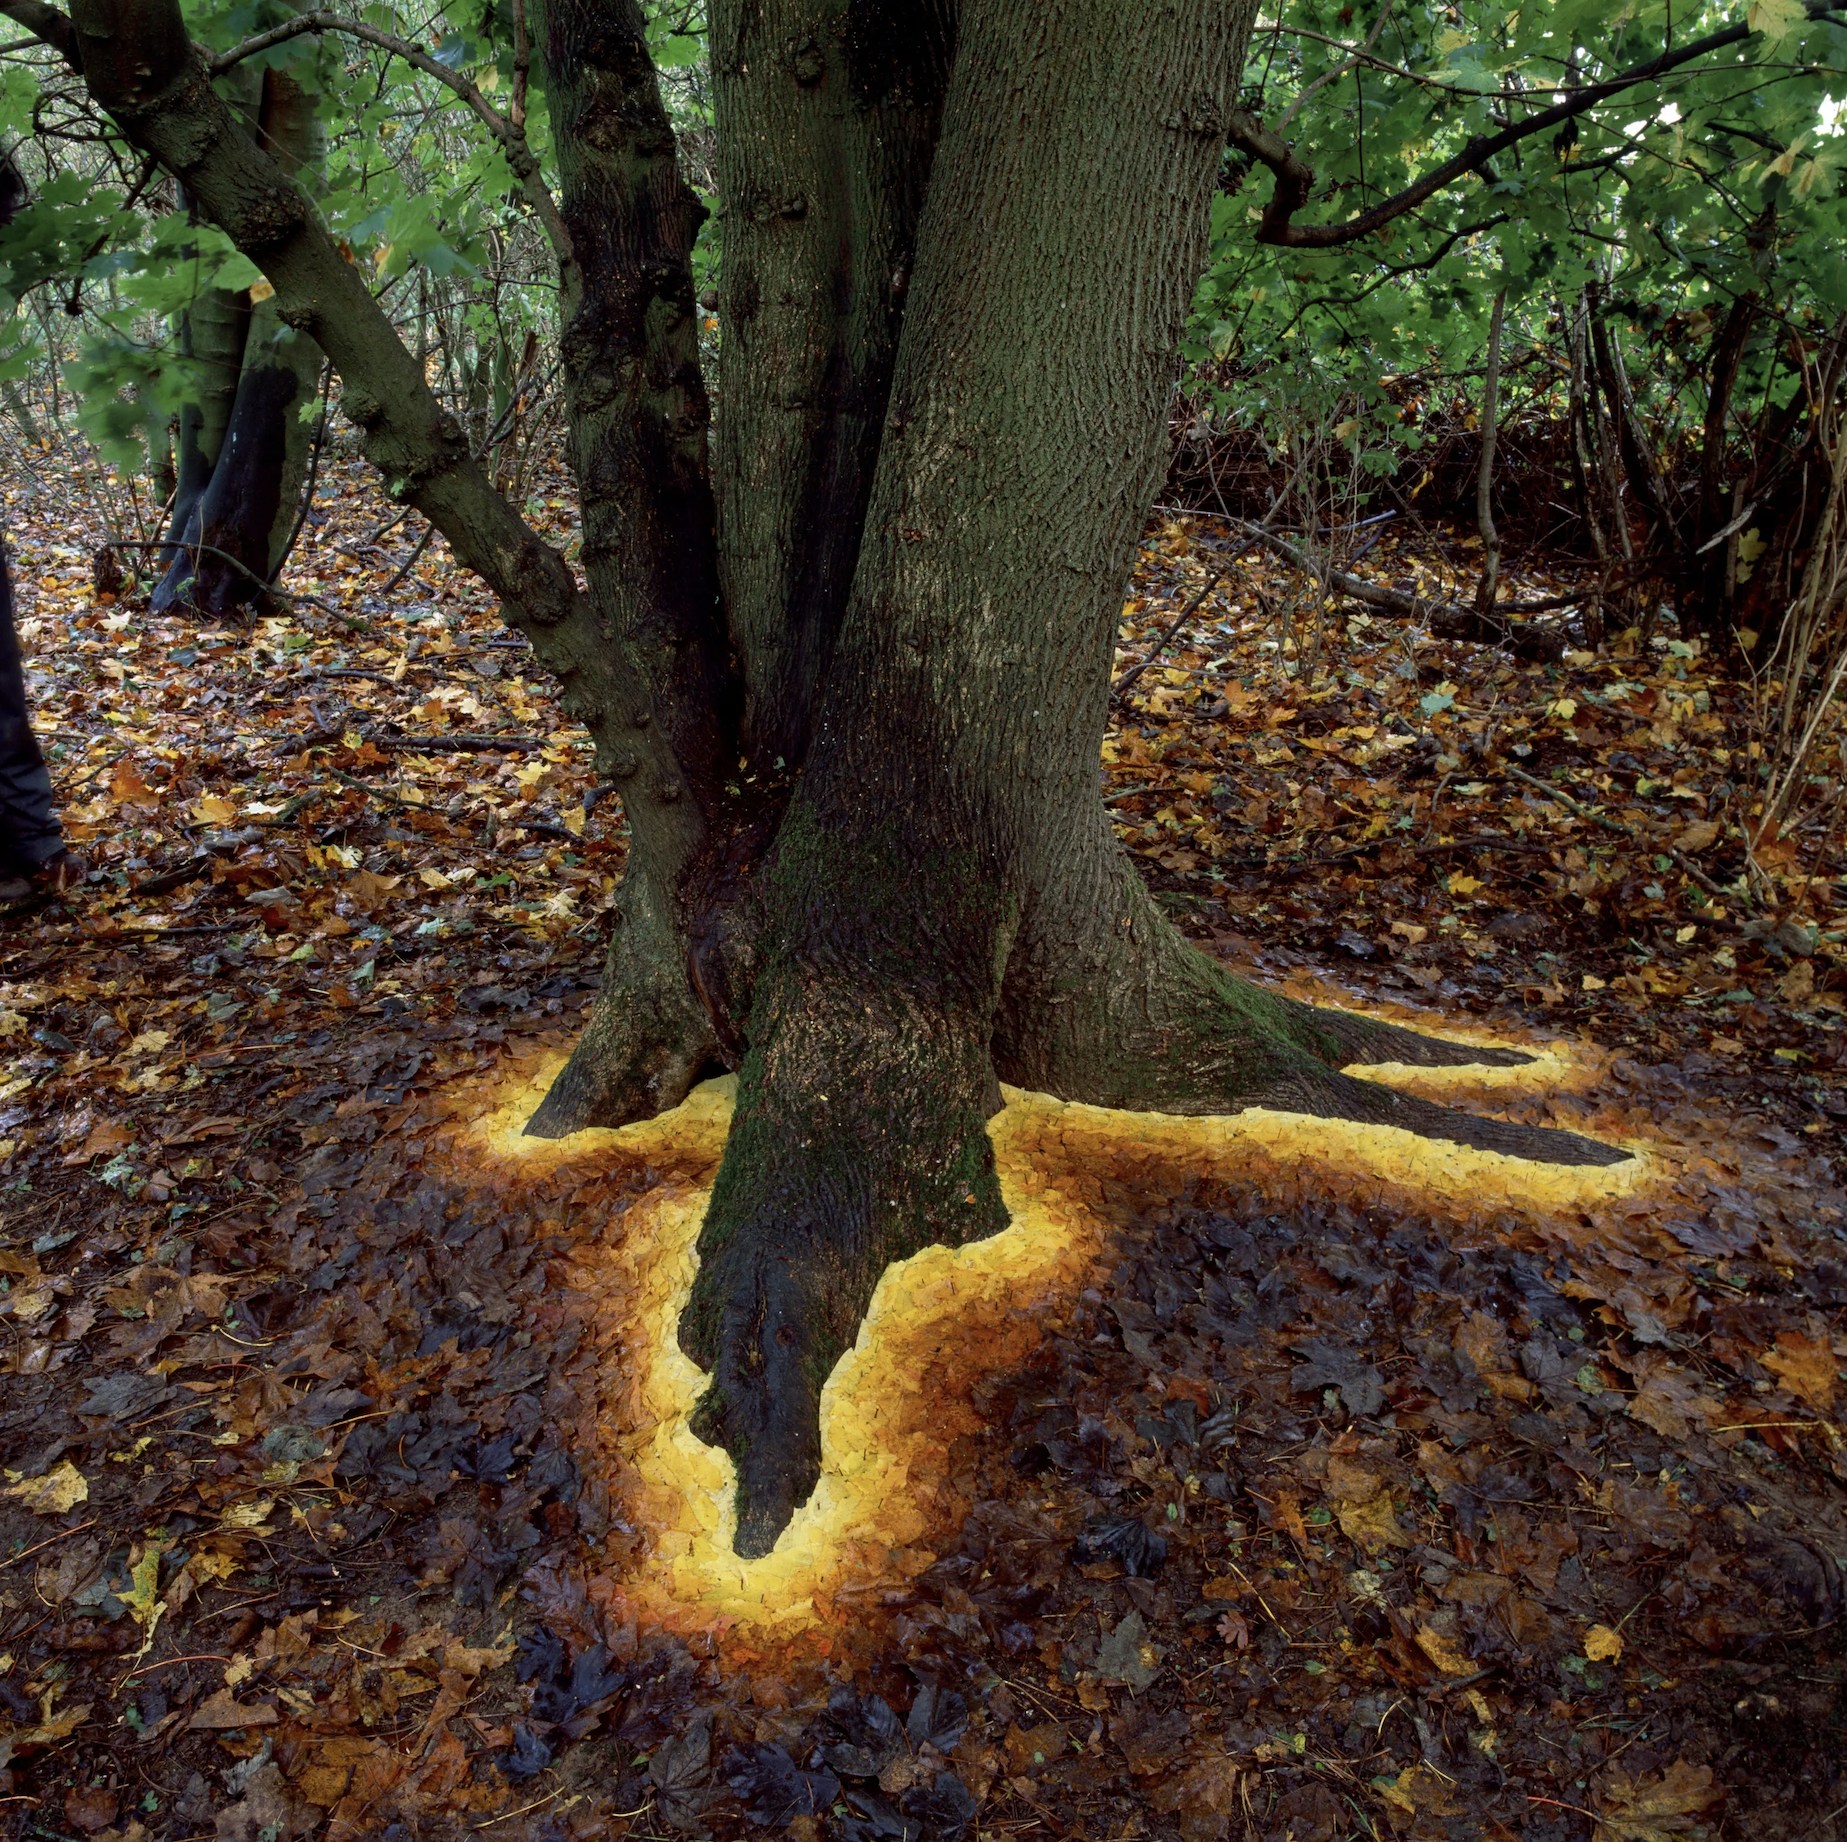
[[852, 687]]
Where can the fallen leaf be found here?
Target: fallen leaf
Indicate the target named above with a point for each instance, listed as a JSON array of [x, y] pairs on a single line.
[[1805, 1367], [221, 1711], [1235, 1630], [1797, 985], [51, 1727], [1655, 1807], [53, 1493], [1418, 1789], [1126, 1655], [89, 1807], [105, 1136], [142, 1600], [127, 788], [250, 1514], [1602, 1644], [1203, 1798], [1443, 1652], [1372, 1525]]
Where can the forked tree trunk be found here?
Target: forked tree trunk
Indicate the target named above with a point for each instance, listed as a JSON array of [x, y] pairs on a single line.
[[244, 448], [946, 900], [211, 335], [853, 689]]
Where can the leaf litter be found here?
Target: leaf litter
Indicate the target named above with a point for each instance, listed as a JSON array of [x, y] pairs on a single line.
[[1323, 1508]]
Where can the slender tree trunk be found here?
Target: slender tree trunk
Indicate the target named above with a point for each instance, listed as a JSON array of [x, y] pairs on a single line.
[[244, 447], [1600, 435], [638, 430], [1583, 462], [1706, 577], [1638, 455], [1490, 583], [212, 334]]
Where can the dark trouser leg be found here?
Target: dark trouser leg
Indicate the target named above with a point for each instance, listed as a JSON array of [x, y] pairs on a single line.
[[29, 831]]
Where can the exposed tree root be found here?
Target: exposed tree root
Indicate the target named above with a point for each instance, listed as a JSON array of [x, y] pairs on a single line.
[[1359, 1041], [1327, 1094], [648, 1040], [859, 1136], [858, 1140]]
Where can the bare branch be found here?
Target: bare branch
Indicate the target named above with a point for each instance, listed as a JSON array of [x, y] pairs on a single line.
[[47, 25]]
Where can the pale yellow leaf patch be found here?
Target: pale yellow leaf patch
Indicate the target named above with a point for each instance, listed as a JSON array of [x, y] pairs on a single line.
[[53, 1494], [1444, 1652], [1602, 1644], [1776, 19]]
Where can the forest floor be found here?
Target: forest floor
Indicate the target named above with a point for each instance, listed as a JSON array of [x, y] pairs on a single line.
[[1321, 1511]]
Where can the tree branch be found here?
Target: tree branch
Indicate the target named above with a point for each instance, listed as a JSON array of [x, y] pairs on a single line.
[[508, 132], [47, 25], [139, 64], [1447, 620], [1295, 179]]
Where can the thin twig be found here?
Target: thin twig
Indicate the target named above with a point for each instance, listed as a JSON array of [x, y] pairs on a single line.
[[1688, 868], [25, 1554], [1123, 684]]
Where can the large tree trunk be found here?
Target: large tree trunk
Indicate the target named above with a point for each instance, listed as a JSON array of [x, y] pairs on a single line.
[[947, 900], [854, 705]]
